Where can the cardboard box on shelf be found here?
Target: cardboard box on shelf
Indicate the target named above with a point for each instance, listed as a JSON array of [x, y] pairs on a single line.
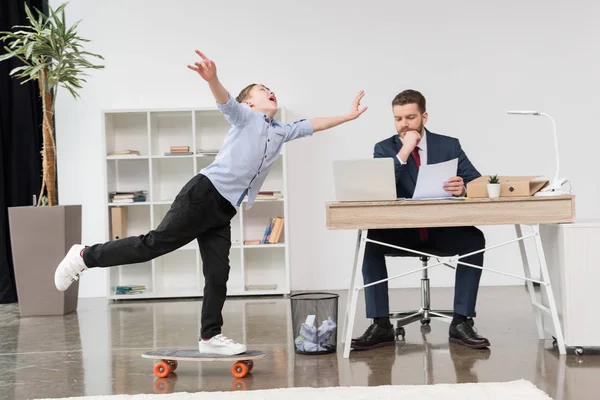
[[510, 186], [118, 219]]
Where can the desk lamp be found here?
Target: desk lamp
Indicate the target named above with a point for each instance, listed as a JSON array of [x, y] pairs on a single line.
[[554, 188]]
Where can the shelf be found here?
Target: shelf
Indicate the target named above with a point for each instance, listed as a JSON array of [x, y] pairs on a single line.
[[263, 200], [136, 203], [152, 295], [127, 157], [133, 274], [210, 129], [126, 131], [198, 294], [179, 273], [169, 129], [236, 279], [127, 175], [169, 176], [178, 269], [174, 157], [265, 270], [258, 218]]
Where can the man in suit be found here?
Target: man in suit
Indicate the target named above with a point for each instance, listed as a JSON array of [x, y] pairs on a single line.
[[411, 147]]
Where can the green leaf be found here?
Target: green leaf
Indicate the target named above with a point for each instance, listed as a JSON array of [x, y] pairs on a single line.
[[6, 56], [21, 68], [49, 43]]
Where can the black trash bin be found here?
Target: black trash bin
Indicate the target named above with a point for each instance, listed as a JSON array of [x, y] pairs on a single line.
[[314, 322]]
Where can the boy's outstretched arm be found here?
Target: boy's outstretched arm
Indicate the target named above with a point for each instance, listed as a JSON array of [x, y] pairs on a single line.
[[323, 123], [208, 71], [233, 111]]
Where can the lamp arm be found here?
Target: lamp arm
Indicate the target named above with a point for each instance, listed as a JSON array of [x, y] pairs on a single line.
[[555, 145]]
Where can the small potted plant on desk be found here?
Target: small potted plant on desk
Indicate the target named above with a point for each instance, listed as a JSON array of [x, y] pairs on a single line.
[[493, 187]]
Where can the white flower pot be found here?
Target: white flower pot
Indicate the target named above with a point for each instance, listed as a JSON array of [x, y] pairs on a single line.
[[493, 190]]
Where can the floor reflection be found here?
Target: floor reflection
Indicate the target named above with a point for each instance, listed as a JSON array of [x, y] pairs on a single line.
[[97, 351]]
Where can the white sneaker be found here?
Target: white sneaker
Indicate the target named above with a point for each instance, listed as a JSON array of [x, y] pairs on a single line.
[[70, 268], [221, 344]]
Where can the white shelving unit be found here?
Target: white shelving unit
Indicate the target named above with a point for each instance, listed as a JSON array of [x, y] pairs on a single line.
[[255, 269]]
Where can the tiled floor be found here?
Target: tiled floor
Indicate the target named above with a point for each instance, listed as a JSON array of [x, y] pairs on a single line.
[[96, 351]]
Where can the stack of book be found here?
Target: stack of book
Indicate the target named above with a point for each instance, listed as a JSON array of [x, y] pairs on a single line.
[[128, 197], [125, 153], [269, 195], [207, 152], [179, 151], [130, 289]]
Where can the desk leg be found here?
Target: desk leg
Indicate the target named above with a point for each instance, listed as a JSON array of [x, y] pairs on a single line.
[[526, 267], [546, 277], [352, 282], [353, 294]]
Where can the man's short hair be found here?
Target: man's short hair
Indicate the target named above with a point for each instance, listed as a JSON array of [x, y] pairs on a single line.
[[410, 96]]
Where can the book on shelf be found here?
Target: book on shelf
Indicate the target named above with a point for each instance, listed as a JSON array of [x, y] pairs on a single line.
[[261, 287], [180, 149], [273, 231], [207, 152], [128, 197], [252, 241], [130, 289], [269, 195], [128, 152], [179, 153]]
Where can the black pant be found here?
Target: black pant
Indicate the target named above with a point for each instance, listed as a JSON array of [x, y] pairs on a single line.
[[453, 240], [198, 212]]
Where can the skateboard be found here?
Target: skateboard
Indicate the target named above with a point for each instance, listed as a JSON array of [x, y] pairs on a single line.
[[243, 363]]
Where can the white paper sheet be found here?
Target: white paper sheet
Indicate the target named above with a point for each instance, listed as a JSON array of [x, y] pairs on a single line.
[[431, 179]]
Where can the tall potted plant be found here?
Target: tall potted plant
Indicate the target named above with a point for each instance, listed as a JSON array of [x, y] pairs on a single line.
[[51, 53]]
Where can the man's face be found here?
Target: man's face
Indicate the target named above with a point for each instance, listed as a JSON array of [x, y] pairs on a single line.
[[409, 118]]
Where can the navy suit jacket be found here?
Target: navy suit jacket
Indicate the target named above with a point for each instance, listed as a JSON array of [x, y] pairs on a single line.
[[440, 148]]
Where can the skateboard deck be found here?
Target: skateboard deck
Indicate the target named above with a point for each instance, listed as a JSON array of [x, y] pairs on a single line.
[[243, 363]]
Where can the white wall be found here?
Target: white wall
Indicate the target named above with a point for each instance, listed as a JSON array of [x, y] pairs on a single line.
[[472, 60]]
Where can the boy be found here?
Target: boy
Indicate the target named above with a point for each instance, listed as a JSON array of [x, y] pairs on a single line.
[[203, 209]]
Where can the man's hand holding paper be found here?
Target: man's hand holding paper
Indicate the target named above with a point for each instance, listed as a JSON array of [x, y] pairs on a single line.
[[439, 180], [455, 186]]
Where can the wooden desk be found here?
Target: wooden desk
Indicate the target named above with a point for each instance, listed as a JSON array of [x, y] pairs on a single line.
[[516, 211], [438, 213]]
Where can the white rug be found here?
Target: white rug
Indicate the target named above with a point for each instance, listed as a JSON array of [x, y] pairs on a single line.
[[515, 390]]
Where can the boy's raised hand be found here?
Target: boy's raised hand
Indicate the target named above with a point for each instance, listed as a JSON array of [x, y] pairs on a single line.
[[205, 68], [355, 112]]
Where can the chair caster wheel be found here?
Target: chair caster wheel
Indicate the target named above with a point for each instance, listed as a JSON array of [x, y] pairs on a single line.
[[579, 350], [400, 332], [425, 321], [554, 342]]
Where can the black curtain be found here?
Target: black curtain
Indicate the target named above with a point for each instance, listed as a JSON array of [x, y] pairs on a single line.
[[20, 141]]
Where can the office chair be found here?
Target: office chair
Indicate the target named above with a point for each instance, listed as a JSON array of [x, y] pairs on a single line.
[[425, 313]]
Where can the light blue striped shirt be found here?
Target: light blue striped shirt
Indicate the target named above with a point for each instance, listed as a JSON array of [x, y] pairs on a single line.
[[249, 150]]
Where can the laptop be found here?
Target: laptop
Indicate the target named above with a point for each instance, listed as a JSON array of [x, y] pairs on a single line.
[[370, 179]]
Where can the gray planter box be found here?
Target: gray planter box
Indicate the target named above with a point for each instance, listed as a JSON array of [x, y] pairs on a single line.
[[40, 238]]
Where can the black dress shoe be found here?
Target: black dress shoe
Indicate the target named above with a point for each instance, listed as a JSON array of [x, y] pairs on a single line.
[[465, 335], [374, 337]]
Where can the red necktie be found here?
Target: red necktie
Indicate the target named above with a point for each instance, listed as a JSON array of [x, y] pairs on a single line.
[[422, 231]]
